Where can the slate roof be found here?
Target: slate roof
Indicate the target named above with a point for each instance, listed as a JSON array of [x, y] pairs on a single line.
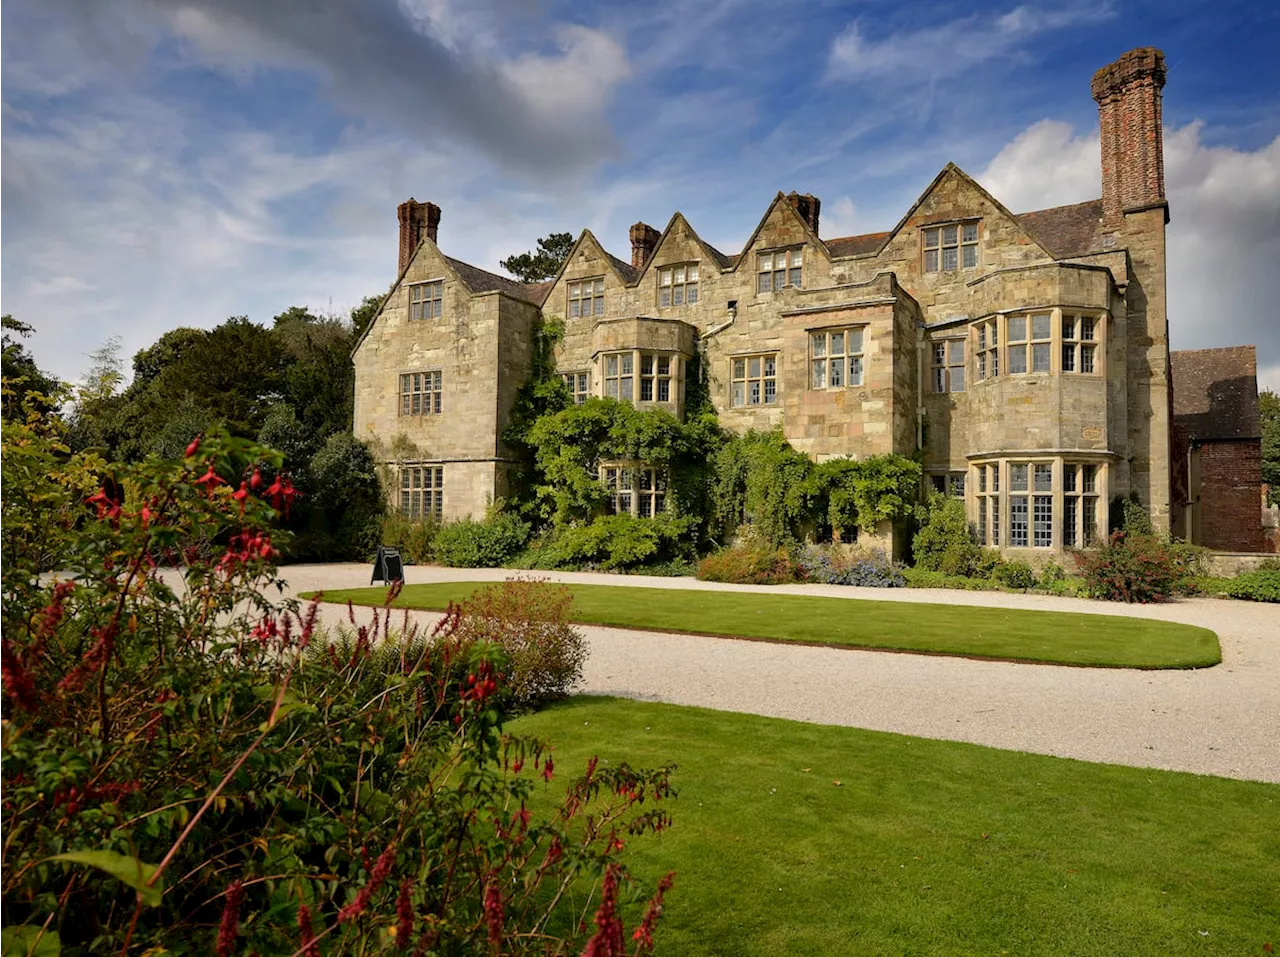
[[1066, 231], [629, 272], [481, 280], [855, 245], [1215, 393]]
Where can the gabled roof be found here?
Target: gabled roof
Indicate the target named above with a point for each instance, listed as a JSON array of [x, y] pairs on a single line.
[[481, 280], [627, 271], [1066, 231], [855, 245], [780, 198], [1215, 393]]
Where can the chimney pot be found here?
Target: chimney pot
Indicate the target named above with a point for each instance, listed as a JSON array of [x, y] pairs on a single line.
[[644, 240], [416, 221], [808, 206]]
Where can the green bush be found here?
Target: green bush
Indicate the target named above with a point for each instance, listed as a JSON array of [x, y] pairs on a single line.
[[751, 564], [1015, 574], [925, 578], [414, 538], [487, 543], [1132, 568], [619, 543], [1261, 584], [944, 536]]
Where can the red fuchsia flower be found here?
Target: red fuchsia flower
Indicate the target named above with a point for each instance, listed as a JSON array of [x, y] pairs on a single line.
[[210, 478], [607, 940], [95, 658], [644, 933], [307, 935], [548, 769], [194, 447], [19, 684], [591, 767], [404, 916], [230, 925], [255, 480], [145, 516], [517, 765], [380, 871], [494, 914], [272, 494], [240, 495]]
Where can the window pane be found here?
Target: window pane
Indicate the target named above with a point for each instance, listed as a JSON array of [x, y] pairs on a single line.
[[624, 389], [599, 310], [738, 393], [948, 235], [1068, 327], [931, 237], [611, 365], [646, 390], [646, 364], [693, 273], [779, 278], [970, 232], [982, 336], [1040, 357], [956, 347], [949, 259], [1090, 478], [819, 345], [1017, 359], [1069, 478], [765, 283], [628, 361], [770, 391], [677, 296], [664, 365], [611, 388], [820, 374], [690, 294], [1040, 327], [1043, 536], [754, 366], [855, 340], [931, 260], [766, 262], [1069, 508], [599, 287], [739, 368], [1086, 358], [837, 373], [939, 353], [1068, 358], [753, 397], [970, 256], [957, 485], [1044, 477], [995, 477], [794, 278], [770, 365], [1018, 478], [1018, 521], [940, 379], [1087, 327], [1017, 328], [855, 370], [957, 378], [837, 343], [664, 297], [664, 277], [679, 274]]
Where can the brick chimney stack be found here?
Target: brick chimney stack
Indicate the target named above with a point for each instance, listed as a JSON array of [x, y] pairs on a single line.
[[808, 207], [416, 220], [1129, 113], [644, 240]]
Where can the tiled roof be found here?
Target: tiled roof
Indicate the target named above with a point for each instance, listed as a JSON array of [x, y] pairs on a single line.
[[1215, 393], [536, 292], [854, 245], [629, 272], [481, 280], [722, 260], [1066, 231]]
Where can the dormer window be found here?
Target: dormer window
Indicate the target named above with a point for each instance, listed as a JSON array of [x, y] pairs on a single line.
[[678, 285], [777, 270], [950, 247], [586, 298]]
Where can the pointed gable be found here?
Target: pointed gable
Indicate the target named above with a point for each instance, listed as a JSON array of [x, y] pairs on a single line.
[[781, 225], [680, 243], [587, 259]]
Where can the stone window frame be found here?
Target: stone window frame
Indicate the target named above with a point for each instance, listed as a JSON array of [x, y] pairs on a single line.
[[946, 372], [593, 298], [1063, 492], [849, 358], [421, 491], [426, 299], [641, 488], [1034, 340], [950, 483], [421, 393], [741, 380], [937, 240], [994, 352], [678, 281], [638, 368], [767, 271], [579, 383]]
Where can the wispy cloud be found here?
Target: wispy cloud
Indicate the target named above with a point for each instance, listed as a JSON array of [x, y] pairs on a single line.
[[951, 48]]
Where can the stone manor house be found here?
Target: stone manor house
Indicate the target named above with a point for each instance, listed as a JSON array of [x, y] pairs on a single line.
[[1027, 355]]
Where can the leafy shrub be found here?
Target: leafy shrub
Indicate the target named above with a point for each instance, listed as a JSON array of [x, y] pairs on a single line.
[[839, 566], [750, 565], [618, 542], [944, 531], [488, 543], [924, 578], [197, 775], [529, 620], [1261, 584], [414, 538], [1015, 574], [1132, 568]]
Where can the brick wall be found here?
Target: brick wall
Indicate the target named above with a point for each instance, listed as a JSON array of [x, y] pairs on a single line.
[[1230, 495]]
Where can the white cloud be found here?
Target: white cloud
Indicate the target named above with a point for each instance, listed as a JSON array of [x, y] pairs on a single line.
[[954, 47], [1223, 236], [839, 218]]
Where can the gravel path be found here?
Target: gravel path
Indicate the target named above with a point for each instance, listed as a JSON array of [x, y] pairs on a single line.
[[1223, 720]]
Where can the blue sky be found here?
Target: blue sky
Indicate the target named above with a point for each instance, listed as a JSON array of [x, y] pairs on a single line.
[[172, 163]]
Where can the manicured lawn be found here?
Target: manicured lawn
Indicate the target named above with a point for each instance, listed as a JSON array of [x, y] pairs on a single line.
[[929, 847], [1056, 637]]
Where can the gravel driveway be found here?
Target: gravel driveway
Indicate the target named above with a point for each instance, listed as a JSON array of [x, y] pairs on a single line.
[[1223, 720]]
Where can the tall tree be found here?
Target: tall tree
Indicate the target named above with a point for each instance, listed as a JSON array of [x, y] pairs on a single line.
[[542, 263], [20, 372], [1269, 410]]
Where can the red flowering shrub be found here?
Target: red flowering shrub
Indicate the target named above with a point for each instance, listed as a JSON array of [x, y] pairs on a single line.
[[189, 769], [750, 565], [1132, 567]]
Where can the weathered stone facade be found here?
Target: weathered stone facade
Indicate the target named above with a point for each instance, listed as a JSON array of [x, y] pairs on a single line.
[[1051, 397]]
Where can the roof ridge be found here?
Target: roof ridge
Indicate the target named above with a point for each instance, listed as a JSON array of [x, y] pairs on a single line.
[[1050, 209]]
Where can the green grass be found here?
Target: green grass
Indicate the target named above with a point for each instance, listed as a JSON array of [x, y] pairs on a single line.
[[1042, 636], [928, 847]]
